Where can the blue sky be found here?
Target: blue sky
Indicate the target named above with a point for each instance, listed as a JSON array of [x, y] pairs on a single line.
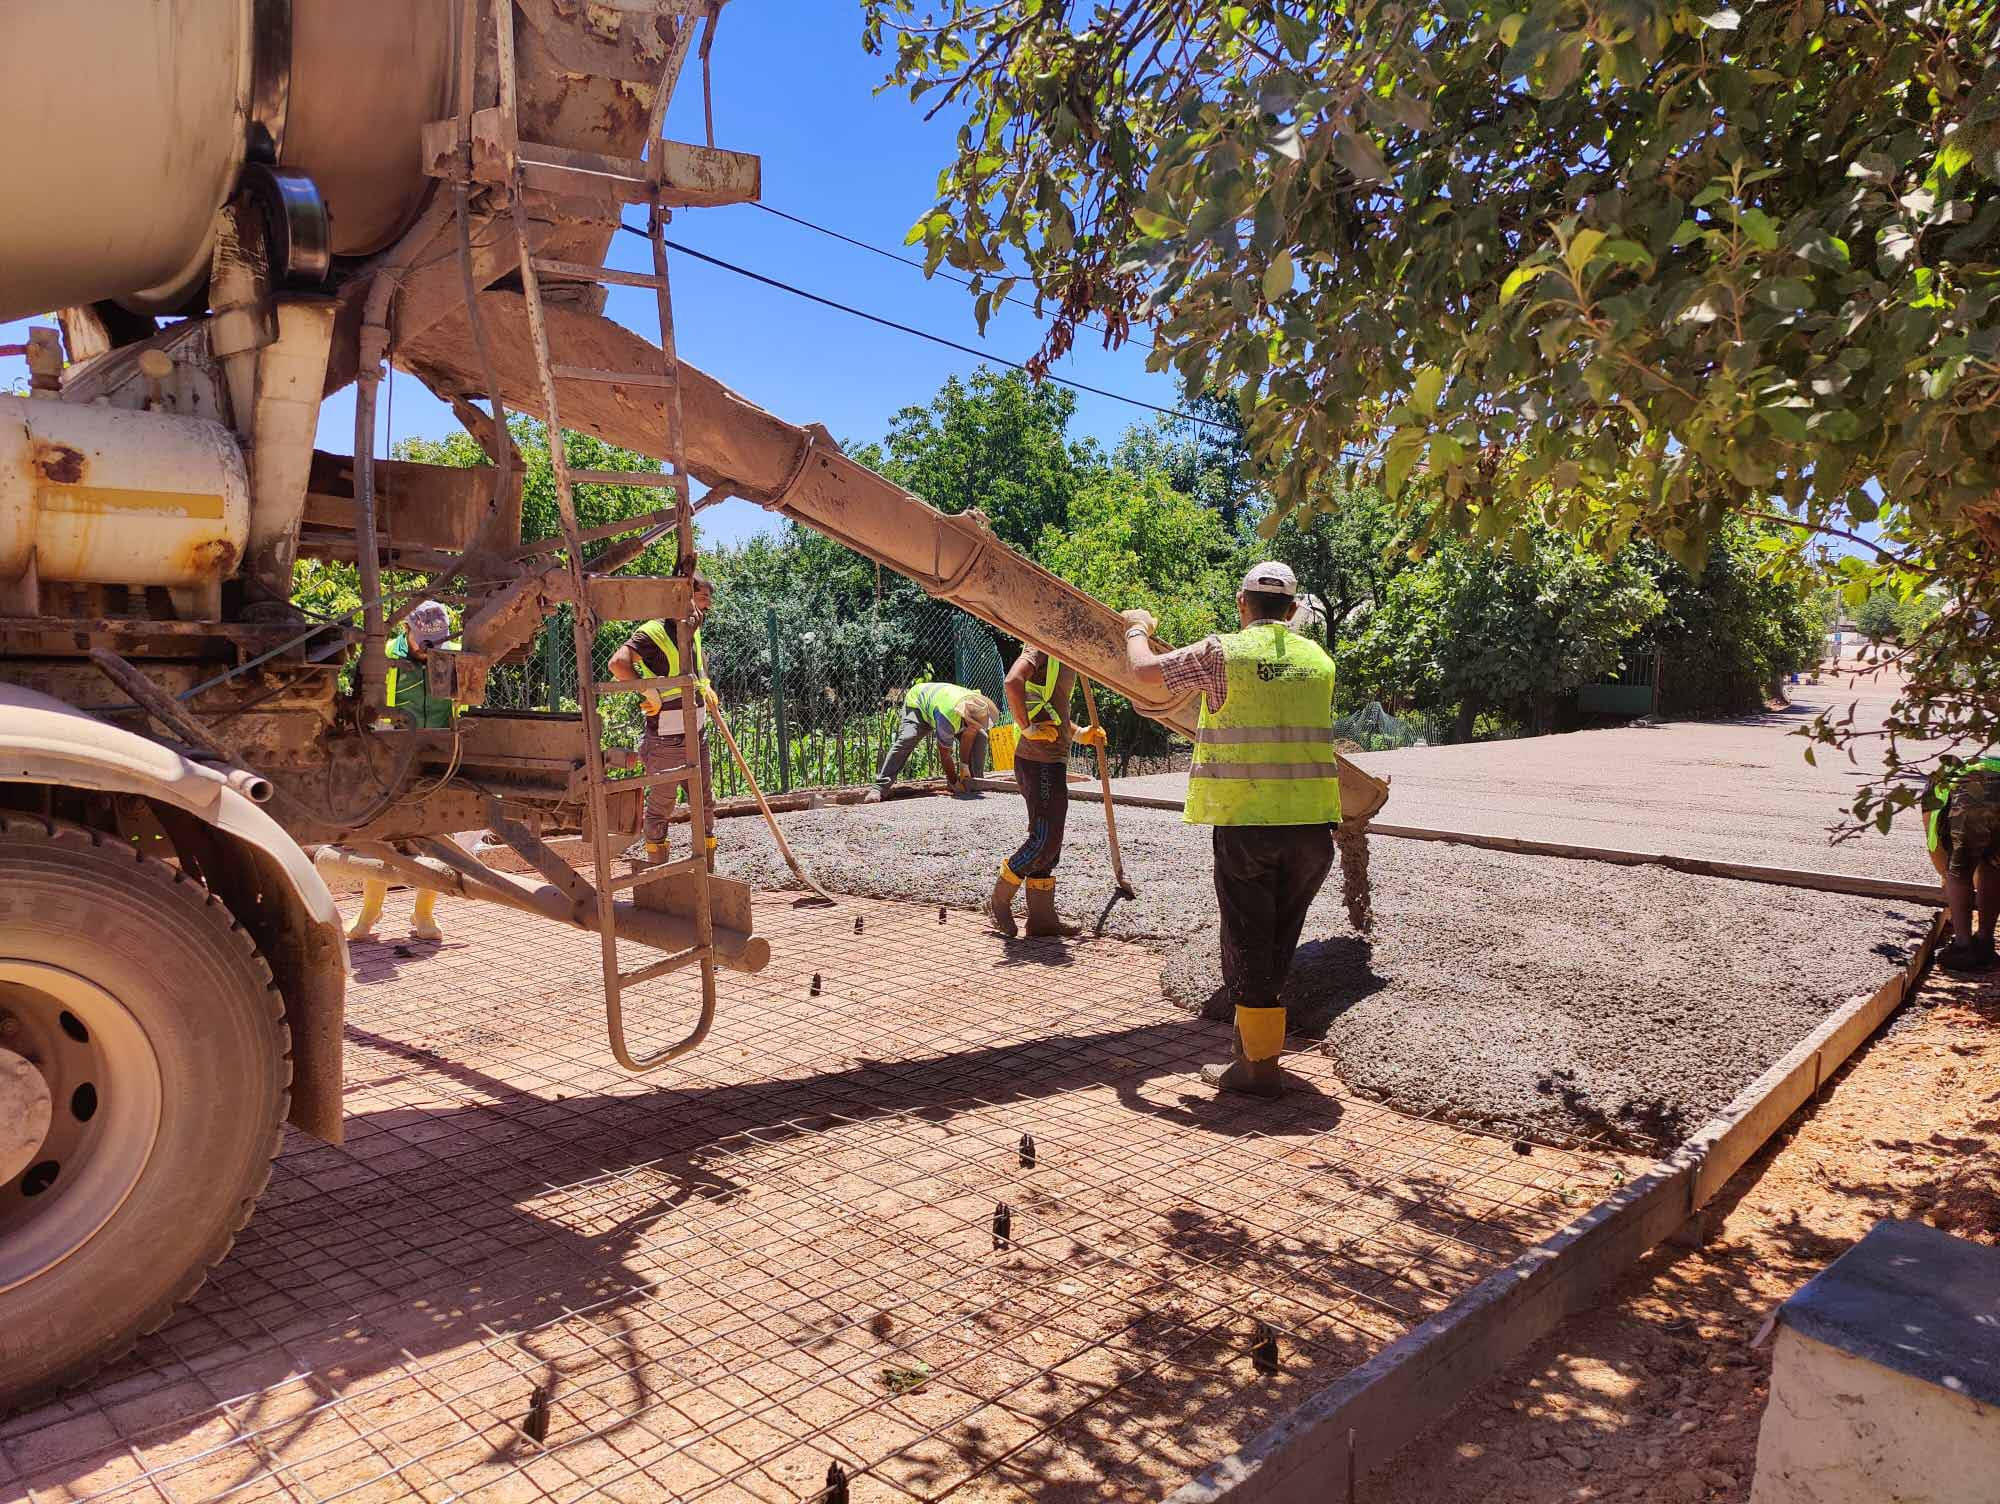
[[793, 85]]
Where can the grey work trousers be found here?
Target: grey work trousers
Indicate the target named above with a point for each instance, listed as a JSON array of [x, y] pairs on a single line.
[[914, 729], [663, 754]]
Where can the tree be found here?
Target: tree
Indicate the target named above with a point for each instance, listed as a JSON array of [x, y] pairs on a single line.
[[996, 443], [1877, 616], [1621, 267], [1469, 631], [1727, 635]]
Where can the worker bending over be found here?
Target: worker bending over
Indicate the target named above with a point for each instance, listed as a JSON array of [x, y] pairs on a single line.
[[653, 652], [1038, 692], [1265, 776], [958, 717], [1962, 823], [408, 689]]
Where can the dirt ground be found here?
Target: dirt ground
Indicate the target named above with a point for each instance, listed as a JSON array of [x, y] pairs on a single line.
[[1658, 1393], [1568, 1002]]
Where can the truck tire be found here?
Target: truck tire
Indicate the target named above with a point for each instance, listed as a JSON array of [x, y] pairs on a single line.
[[161, 1073]]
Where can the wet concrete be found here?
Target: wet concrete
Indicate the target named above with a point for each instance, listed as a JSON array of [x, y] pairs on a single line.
[[1566, 1001]]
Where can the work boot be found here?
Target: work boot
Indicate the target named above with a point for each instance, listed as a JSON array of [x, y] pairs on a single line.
[[1967, 956], [423, 924], [1000, 907], [1043, 922], [372, 894], [1260, 1039]]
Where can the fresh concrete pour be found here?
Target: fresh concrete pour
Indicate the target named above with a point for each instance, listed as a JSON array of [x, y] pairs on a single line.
[[1566, 1001]]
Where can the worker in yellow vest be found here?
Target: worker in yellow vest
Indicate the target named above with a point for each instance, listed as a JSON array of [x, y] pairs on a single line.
[[407, 688], [1039, 689], [674, 721], [1265, 776], [957, 717]]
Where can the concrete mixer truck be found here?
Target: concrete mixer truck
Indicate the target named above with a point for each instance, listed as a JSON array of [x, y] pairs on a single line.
[[233, 209]]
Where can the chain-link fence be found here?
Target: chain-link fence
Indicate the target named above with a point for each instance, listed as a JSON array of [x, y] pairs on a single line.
[[1373, 729], [813, 704]]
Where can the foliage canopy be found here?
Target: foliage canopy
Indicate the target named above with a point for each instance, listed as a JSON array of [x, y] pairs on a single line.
[[1622, 267]]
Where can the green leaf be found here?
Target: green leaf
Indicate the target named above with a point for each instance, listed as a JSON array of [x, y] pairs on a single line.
[[1517, 279], [1582, 246], [1158, 226], [1353, 150], [1510, 29], [1790, 425], [1760, 227], [1628, 252], [1786, 294], [1425, 389], [1278, 277], [1401, 458]]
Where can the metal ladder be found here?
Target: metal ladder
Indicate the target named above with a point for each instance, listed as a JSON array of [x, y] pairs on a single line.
[[553, 169]]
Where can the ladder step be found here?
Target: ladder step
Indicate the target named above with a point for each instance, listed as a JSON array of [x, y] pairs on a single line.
[[661, 968], [579, 271], [652, 780], [639, 876], [611, 378], [651, 478], [639, 686]]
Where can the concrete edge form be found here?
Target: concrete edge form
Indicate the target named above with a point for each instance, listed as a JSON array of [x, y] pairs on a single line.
[[1365, 1418], [1853, 884]]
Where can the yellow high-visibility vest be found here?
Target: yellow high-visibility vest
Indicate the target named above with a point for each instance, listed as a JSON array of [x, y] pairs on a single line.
[[933, 700], [1041, 694], [1266, 758]]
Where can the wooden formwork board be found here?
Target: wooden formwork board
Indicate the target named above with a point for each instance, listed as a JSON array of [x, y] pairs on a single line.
[[1371, 1414]]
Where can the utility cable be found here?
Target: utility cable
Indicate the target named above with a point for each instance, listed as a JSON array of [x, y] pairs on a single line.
[[916, 265], [936, 339]]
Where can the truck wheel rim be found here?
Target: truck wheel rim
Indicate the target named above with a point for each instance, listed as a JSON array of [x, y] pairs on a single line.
[[103, 1081]]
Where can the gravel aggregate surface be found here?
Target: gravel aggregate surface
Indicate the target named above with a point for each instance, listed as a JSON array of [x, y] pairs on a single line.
[[1564, 1001]]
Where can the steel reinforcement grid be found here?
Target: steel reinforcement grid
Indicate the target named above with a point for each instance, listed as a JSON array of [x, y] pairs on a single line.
[[932, 1215]]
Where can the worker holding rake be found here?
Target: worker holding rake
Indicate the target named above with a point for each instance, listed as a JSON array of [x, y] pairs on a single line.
[[672, 737], [1039, 688], [1266, 777]]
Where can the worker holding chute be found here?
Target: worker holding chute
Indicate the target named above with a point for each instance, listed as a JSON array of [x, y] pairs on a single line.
[[957, 717], [673, 731], [1039, 688], [1266, 777]]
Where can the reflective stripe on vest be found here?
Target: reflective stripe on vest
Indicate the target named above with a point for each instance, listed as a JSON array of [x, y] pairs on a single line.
[[933, 700], [1041, 693], [1267, 758], [656, 631]]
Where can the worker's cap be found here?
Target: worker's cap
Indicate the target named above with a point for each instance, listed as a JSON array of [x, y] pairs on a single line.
[[979, 710], [428, 624], [1271, 578]]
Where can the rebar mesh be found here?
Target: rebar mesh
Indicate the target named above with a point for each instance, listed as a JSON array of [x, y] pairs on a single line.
[[780, 1252]]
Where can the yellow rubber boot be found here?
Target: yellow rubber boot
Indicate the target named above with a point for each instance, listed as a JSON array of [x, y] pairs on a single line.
[[1042, 920], [423, 923], [372, 894], [1000, 907], [711, 853], [1260, 1040], [656, 852]]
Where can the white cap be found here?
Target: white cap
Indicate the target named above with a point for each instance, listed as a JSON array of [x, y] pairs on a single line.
[[979, 710], [1271, 578], [428, 624]]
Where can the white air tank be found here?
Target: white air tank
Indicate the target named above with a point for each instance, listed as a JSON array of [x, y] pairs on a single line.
[[105, 495]]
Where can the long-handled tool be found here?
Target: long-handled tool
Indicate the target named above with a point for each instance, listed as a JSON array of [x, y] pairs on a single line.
[[784, 849], [1123, 889]]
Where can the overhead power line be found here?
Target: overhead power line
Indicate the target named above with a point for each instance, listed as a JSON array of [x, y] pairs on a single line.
[[916, 265], [936, 339]]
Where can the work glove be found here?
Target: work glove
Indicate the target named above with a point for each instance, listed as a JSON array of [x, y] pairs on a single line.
[[1089, 736], [1139, 616], [650, 703], [708, 695], [1041, 731]]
